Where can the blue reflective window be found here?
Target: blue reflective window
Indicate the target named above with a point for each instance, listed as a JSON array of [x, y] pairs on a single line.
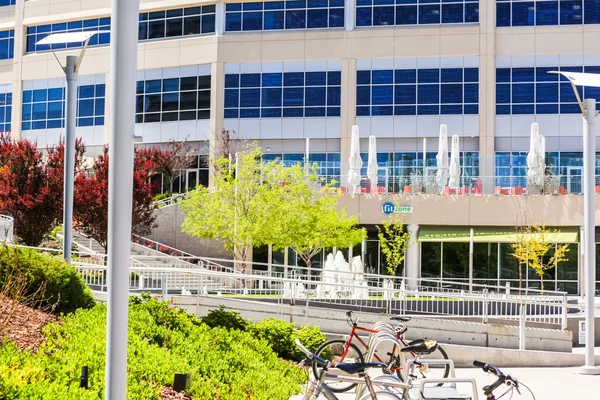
[[279, 15], [6, 111], [177, 99], [413, 12], [153, 25], [439, 91], [547, 12], [7, 44], [4, 3], [287, 95], [45, 108]]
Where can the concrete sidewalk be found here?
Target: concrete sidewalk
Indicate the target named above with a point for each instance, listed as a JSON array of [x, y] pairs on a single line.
[[545, 383]]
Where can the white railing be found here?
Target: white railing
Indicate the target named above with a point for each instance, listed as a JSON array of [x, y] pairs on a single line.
[[169, 200], [361, 297], [6, 228]]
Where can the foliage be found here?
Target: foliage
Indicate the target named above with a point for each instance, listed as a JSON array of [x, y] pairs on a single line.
[[162, 196], [394, 241], [172, 162], [63, 288], [533, 248], [163, 340], [91, 199], [308, 218], [225, 319], [32, 185]]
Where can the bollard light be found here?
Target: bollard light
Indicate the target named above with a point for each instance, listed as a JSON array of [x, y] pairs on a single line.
[[182, 382], [83, 382]]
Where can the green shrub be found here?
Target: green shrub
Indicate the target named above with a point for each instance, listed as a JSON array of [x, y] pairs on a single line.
[[64, 288], [225, 319], [281, 336], [225, 365], [162, 196]]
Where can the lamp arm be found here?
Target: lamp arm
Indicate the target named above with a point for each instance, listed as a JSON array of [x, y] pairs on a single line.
[[85, 45]]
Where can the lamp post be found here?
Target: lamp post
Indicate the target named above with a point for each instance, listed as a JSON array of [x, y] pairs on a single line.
[[71, 69], [588, 110]]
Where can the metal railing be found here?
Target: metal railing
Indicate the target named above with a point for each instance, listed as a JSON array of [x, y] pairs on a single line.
[[386, 299], [6, 228], [466, 186], [170, 200]]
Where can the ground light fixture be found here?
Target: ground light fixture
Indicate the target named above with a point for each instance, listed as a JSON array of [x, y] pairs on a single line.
[[588, 110], [71, 70]]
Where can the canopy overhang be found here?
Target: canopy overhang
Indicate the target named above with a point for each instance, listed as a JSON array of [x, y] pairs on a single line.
[[487, 235]]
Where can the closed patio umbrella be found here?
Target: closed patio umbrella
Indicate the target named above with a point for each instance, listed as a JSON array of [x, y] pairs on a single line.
[[372, 162], [454, 181], [442, 158], [355, 160]]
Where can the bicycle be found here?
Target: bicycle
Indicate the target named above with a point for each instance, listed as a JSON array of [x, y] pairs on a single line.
[[339, 350], [488, 390], [316, 388]]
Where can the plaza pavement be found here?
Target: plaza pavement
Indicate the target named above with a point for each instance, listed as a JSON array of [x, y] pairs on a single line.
[[546, 384]]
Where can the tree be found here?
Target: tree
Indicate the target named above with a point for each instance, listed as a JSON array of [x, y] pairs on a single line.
[[234, 211], [173, 161], [309, 219], [32, 186], [91, 199], [394, 241], [533, 248]]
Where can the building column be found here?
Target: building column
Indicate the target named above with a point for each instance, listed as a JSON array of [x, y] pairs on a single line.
[[107, 109], [412, 261], [348, 114], [217, 93], [17, 82], [487, 93], [219, 18]]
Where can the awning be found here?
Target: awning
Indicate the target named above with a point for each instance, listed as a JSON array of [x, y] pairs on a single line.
[[486, 234]]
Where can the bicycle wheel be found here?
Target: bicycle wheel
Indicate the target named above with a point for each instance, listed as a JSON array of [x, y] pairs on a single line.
[[387, 385], [334, 351], [434, 370]]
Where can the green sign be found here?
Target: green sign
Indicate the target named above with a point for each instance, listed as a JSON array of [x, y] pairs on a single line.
[[389, 208]]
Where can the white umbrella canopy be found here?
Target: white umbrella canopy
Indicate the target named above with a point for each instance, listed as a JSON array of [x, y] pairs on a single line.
[[535, 167], [372, 162], [454, 181], [355, 161], [442, 157]]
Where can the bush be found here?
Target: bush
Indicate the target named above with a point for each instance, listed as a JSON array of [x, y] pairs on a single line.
[[281, 335], [160, 197], [225, 319], [64, 288], [163, 340]]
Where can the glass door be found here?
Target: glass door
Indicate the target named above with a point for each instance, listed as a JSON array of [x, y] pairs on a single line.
[[574, 180], [192, 179]]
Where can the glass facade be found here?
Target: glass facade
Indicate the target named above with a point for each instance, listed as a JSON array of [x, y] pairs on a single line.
[[544, 12], [283, 94], [4, 3], [280, 15], [5, 111], [153, 25], [427, 91], [532, 90], [45, 108], [173, 99], [328, 163], [495, 265], [7, 44], [415, 12]]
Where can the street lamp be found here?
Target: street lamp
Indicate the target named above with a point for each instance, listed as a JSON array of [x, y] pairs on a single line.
[[588, 110], [71, 71]]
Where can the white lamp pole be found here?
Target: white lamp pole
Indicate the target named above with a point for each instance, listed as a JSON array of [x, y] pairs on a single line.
[[588, 109], [71, 70], [123, 67]]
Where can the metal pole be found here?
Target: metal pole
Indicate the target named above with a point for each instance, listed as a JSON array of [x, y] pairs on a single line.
[[589, 258], [471, 260], [123, 67], [69, 171]]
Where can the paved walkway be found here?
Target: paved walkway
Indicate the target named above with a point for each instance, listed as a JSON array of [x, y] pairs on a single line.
[[546, 384]]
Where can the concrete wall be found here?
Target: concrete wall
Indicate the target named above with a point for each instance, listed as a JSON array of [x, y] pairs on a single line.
[[168, 231]]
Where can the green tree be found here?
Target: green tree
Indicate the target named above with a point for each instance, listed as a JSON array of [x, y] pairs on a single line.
[[240, 209], [394, 241], [533, 247], [310, 219]]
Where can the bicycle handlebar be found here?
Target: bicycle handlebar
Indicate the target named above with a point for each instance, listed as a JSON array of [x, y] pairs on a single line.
[[509, 380]]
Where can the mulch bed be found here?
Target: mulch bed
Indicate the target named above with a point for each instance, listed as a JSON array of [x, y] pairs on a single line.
[[168, 393], [24, 328]]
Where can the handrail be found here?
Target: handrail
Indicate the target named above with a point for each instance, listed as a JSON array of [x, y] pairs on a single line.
[[170, 200]]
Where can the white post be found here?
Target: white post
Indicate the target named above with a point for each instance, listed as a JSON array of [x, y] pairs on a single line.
[[589, 258], [424, 157], [307, 152], [471, 260], [69, 169], [522, 327], [123, 67]]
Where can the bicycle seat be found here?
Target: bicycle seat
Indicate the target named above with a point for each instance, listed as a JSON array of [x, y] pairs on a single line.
[[400, 318], [420, 347], [354, 368]]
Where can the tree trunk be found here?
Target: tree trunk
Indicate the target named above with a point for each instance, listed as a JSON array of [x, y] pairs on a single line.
[[542, 282]]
